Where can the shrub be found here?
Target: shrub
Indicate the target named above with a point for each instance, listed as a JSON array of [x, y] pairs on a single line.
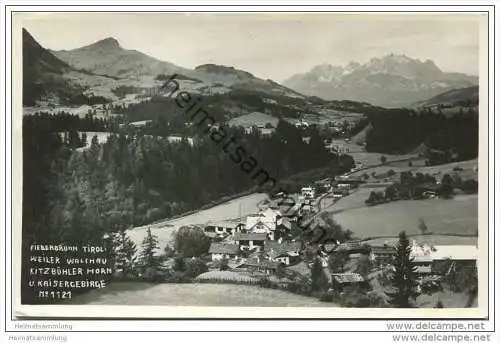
[[196, 267], [266, 283], [354, 299], [177, 277], [154, 275], [223, 264], [470, 186], [218, 276], [326, 297], [439, 304], [377, 300], [179, 264]]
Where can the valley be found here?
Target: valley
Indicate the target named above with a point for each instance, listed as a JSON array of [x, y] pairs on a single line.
[[373, 155]]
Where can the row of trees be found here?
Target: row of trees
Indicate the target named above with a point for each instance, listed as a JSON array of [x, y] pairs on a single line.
[[414, 186], [63, 121]]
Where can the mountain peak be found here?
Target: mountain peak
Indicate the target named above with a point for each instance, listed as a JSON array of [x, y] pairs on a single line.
[[222, 69], [391, 80], [106, 43], [400, 58]]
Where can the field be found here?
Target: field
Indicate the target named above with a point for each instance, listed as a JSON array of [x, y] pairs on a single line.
[[469, 168], [227, 276], [235, 208], [456, 216], [135, 293]]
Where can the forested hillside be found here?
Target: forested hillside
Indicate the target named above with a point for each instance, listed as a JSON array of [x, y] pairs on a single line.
[[136, 179], [402, 130]]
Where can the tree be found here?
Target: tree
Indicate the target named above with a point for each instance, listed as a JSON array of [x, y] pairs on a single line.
[[422, 226], [191, 241], [224, 264], [383, 159], [337, 261], [439, 304], [374, 198], [390, 192], [196, 267], [179, 264], [124, 252], [318, 277], [280, 271], [470, 186], [363, 266], [403, 280], [149, 248], [446, 190]]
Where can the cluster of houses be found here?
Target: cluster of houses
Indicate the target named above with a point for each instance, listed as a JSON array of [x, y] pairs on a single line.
[[262, 241], [252, 236], [429, 261]]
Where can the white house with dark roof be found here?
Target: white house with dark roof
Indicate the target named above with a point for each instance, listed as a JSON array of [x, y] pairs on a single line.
[[286, 253], [266, 221], [250, 240], [223, 228], [220, 251], [342, 280]]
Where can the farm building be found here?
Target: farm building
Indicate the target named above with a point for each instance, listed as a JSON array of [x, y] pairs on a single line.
[[307, 192], [347, 179], [341, 281], [439, 258], [428, 190], [463, 253], [220, 251], [382, 254], [352, 248], [250, 240], [259, 264], [265, 221], [286, 253], [221, 228], [287, 258], [340, 192]]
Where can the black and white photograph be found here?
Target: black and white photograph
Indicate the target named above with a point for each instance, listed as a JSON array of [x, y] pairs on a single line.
[[318, 161]]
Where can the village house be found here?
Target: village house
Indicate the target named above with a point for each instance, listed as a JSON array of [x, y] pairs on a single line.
[[351, 248], [421, 259], [431, 259], [348, 182], [223, 228], [287, 257], [221, 251], [341, 281], [250, 240], [428, 190], [382, 254], [338, 193], [302, 124], [287, 253], [256, 263], [266, 221], [307, 192]]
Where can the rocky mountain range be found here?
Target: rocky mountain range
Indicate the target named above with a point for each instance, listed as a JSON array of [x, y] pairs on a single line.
[[390, 81], [108, 57], [97, 71]]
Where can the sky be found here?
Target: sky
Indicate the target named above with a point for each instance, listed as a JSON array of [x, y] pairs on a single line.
[[270, 45]]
